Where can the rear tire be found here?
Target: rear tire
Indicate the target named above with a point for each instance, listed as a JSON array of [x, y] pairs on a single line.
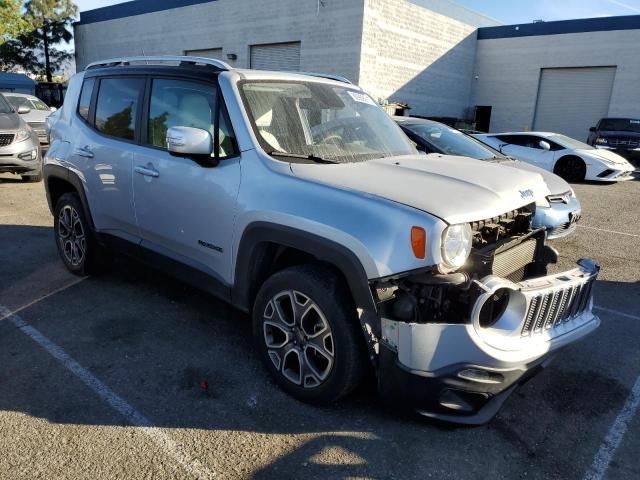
[[572, 169], [76, 242], [308, 335]]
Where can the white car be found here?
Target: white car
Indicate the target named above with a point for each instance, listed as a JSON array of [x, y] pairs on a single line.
[[569, 158]]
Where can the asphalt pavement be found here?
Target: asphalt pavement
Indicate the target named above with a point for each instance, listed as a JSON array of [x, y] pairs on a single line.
[[132, 374]]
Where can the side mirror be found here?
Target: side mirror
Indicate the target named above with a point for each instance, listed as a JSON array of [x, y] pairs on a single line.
[[53, 109], [189, 141], [545, 145], [592, 129], [23, 109]]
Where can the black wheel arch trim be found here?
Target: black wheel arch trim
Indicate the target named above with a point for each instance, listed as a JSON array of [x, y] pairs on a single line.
[[64, 174], [321, 248]]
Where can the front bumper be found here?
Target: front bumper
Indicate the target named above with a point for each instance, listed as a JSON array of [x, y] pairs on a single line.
[[464, 372], [559, 219], [17, 157]]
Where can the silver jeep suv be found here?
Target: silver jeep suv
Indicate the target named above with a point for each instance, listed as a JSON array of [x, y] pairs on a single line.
[[297, 199]]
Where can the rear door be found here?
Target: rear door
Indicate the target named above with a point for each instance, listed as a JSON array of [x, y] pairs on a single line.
[[103, 144], [186, 207]]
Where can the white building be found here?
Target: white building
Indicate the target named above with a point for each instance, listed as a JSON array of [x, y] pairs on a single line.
[[440, 58]]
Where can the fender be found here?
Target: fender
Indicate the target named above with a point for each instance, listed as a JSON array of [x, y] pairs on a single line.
[[321, 248], [56, 171]]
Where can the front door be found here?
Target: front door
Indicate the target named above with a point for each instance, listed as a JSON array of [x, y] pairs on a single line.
[[185, 207]]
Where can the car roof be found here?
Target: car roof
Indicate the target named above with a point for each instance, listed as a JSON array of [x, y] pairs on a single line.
[[209, 73], [619, 118], [415, 121], [537, 134], [16, 94]]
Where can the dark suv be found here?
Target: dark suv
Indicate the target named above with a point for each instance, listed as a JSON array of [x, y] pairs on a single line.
[[619, 134]]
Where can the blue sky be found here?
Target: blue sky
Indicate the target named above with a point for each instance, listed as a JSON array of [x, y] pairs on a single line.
[[509, 11]]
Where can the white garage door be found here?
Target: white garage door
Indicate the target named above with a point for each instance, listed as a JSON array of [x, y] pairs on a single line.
[[206, 53], [276, 56], [571, 100]]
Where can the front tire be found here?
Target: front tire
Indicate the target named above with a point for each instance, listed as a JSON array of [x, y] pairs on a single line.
[[308, 334], [78, 249], [572, 169]]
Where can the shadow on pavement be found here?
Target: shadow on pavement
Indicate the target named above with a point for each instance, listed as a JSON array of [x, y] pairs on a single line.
[[186, 361]]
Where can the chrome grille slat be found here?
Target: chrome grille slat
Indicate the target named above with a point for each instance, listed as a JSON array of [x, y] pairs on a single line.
[[542, 314], [572, 296], [562, 302], [534, 307], [548, 311], [553, 310], [576, 301]]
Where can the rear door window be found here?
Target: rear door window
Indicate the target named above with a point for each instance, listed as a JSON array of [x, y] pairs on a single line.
[[85, 98], [117, 106]]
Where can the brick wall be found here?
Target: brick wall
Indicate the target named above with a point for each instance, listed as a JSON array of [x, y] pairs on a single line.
[[416, 56]]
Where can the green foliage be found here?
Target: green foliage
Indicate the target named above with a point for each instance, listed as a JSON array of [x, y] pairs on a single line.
[[12, 23], [35, 50]]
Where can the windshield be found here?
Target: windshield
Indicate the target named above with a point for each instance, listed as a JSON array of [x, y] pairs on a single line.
[[568, 142], [620, 125], [452, 141], [4, 105], [30, 102], [310, 119]]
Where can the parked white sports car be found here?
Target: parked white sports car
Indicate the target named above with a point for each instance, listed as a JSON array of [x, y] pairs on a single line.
[[569, 158]]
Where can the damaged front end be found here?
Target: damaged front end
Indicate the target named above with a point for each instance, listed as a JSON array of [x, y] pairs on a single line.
[[454, 345]]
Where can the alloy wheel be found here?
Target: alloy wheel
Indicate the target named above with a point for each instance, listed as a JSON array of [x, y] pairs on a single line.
[[298, 338], [71, 235]]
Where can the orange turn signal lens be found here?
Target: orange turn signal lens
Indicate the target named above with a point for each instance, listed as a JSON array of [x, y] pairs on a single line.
[[418, 242]]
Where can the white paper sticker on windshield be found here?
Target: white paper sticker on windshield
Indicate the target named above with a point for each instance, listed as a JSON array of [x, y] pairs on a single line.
[[361, 97]]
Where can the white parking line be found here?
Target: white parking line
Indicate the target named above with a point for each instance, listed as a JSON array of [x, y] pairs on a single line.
[[609, 231], [616, 312], [39, 299], [614, 437], [135, 418]]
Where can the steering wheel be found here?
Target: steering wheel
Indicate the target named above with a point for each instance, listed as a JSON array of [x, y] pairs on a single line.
[[333, 139]]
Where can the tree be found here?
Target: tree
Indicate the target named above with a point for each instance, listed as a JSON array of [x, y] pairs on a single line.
[[52, 21], [12, 24]]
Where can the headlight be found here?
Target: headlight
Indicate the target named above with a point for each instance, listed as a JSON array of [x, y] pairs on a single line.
[[23, 134], [602, 141], [456, 245]]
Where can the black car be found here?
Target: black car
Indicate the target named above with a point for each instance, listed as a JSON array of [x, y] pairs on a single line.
[[621, 135]]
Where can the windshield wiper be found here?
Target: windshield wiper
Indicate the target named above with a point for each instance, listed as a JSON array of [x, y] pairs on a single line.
[[313, 158]]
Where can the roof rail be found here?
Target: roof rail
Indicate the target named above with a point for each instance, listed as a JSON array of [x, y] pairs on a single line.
[[181, 59], [329, 76]]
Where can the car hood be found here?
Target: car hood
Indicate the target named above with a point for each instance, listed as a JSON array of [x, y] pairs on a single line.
[[618, 134], [36, 116], [10, 122], [601, 154], [455, 189], [556, 184]]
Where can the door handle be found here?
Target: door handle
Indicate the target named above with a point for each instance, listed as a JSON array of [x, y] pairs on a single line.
[[84, 152], [147, 171]]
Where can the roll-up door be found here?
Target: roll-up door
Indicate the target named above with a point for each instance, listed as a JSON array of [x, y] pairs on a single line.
[[570, 100], [276, 56]]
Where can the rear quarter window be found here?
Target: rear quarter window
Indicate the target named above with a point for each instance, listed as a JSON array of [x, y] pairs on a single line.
[[85, 98]]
